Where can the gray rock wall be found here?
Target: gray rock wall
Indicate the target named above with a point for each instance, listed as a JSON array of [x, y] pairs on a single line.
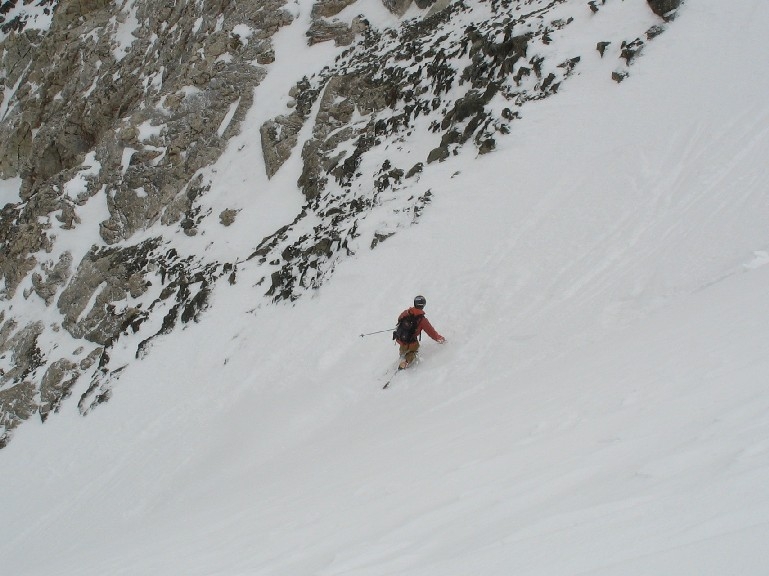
[[134, 122]]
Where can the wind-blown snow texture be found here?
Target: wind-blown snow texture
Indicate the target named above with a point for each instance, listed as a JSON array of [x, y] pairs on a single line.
[[600, 406]]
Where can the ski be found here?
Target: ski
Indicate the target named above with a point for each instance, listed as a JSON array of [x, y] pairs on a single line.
[[392, 376], [390, 379]]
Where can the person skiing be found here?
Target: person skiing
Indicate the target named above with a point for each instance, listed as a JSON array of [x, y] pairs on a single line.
[[411, 322]]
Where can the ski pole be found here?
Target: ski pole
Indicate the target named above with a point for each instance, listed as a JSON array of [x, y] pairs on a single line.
[[377, 332]]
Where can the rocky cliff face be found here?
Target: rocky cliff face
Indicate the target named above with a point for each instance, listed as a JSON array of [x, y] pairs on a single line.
[[110, 112]]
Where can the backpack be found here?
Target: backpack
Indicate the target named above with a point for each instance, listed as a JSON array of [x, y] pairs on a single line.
[[406, 329]]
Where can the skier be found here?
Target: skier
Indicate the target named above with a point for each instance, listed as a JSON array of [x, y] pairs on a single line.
[[411, 322]]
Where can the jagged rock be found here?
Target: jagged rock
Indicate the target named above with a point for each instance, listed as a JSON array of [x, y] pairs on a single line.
[[343, 95], [17, 404], [619, 75], [473, 104], [654, 31], [137, 284], [5, 329], [73, 9], [329, 8], [379, 238], [18, 400], [73, 57], [438, 154], [388, 177], [103, 277], [22, 346], [665, 8], [56, 386], [629, 51], [279, 137], [397, 7], [487, 145], [89, 360], [416, 169], [20, 237], [227, 217], [57, 275], [322, 30]]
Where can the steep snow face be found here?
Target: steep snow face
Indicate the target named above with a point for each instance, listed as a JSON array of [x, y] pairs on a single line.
[[161, 153], [600, 406]]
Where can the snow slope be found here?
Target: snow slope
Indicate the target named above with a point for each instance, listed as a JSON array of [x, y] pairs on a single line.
[[600, 406]]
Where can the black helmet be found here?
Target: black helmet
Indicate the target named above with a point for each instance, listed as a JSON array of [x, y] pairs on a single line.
[[419, 302]]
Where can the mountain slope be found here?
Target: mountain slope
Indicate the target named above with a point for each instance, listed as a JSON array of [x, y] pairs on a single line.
[[152, 156], [599, 408]]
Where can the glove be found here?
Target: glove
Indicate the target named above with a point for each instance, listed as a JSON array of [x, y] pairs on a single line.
[[441, 340]]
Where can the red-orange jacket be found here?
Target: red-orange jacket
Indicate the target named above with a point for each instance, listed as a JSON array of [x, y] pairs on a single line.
[[424, 324]]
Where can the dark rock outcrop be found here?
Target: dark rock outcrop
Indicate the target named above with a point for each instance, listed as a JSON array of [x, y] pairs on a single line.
[[665, 8]]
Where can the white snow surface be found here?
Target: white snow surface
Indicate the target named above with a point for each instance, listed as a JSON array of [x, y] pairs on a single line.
[[600, 406]]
